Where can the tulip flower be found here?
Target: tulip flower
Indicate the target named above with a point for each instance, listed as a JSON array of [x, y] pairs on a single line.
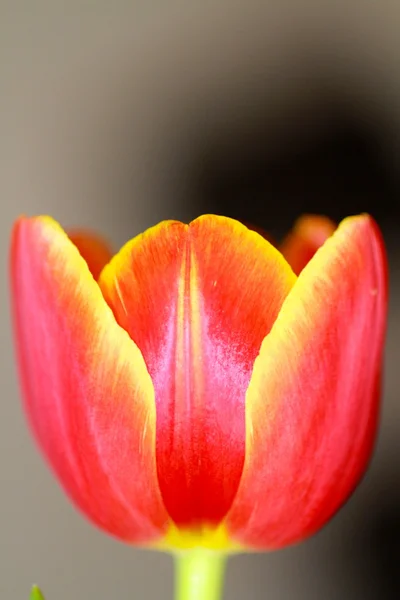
[[195, 392]]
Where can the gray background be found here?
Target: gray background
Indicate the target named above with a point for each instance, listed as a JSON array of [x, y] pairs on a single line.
[[110, 117]]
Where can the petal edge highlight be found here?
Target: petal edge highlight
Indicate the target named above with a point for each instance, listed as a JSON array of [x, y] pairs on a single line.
[[87, 392], [313, 401], [198, 300]]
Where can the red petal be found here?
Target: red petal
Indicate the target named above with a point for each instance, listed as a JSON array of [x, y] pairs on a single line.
[[309, 233], [312, 403], [198, 299], [87, 392], [94, 249]]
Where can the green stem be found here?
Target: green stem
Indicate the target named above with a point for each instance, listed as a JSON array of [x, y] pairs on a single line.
[[199, 575]]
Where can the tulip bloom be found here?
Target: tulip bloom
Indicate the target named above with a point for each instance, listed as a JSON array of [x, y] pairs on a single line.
[[195, 389]]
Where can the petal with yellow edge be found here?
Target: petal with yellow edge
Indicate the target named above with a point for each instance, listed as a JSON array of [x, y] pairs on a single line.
[[88, 394], [198, 300], [313, 400]]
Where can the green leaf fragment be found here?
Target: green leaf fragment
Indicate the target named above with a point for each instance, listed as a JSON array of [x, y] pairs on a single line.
[[36, 594]]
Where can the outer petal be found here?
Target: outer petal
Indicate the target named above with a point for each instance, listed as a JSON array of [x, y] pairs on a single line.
[[309, 233], [312, 403], [198, 300], [94, 249], [87, 392]]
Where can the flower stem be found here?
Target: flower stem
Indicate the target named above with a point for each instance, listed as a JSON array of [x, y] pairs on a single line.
[[199, 575]]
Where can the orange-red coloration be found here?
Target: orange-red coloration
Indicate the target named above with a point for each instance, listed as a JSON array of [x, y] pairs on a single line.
[[196, 383], [312, 403], [308, 234], [93, 248], [197, 301], [87, 392]]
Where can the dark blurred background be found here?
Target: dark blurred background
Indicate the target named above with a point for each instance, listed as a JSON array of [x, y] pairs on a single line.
[[344, 173], [116, 118]]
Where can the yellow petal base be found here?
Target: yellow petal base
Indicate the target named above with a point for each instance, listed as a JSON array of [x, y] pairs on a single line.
[[216, 539]]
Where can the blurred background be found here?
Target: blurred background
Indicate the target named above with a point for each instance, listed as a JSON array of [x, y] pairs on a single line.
[[115, 118]]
